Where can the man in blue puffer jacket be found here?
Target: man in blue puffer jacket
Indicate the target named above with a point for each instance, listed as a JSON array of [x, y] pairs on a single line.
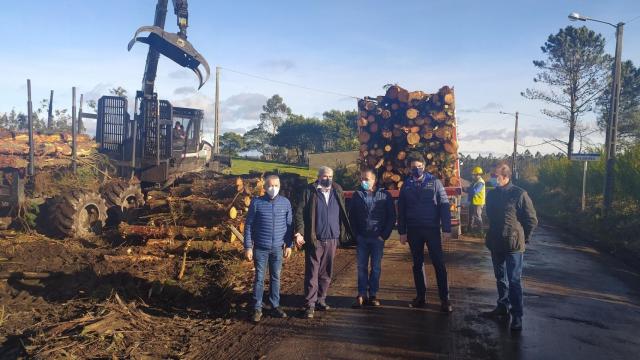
[[372, 216], [268, 237], [423, 208]]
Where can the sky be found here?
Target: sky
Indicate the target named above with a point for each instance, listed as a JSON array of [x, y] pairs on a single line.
[[346, 48]]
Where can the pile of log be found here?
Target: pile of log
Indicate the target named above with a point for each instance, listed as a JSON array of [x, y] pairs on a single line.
[[49, 150], [392, 126], [205, 206]]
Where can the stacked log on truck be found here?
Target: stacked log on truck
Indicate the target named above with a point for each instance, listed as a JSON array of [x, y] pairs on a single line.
[[392, 126]]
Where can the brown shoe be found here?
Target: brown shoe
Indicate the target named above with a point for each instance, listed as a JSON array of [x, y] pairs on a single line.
[[373, 301], [359, 303]]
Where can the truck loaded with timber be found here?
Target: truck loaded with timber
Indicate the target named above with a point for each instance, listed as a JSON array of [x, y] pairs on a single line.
[[392, 126]]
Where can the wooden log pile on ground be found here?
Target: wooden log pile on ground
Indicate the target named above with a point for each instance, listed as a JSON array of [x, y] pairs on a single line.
[[204, 205], [49, 149], [392, 126]]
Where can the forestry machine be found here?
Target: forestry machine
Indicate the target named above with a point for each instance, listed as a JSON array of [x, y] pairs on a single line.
[[149, 148]]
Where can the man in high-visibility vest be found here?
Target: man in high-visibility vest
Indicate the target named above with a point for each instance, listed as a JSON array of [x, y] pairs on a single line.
[[476, 199]]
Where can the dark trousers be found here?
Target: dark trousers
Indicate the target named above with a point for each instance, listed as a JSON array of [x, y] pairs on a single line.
[[475, 217], [263, 258], [318, 267], [507, 268], [418, 237]]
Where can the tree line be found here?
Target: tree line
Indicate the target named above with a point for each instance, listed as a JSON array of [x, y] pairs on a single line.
[[284, 136]]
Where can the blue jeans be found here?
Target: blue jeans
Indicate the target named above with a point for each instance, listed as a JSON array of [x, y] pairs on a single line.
[[369, 248], [507, 268], [262, 257]]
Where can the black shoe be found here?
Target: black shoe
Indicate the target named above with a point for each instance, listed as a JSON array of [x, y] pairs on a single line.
[[359, 303], [516, 323], [499, 311], [418, 303], [446, 307], [323, 307], [373, 301], [257, 316], [309, 312], [278, 313]]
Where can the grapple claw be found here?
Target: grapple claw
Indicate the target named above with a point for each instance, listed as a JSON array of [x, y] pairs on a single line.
[[175, 48]]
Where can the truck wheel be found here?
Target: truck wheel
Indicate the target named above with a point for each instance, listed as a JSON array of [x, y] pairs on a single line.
[[76, 214], [120, 197]]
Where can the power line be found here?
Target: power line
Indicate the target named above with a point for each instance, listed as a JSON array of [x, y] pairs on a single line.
[[634, 19], [290, 84]]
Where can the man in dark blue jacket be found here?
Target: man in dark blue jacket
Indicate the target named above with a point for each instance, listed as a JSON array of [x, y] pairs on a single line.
[[423, 207], [268, 237], [372, 216]]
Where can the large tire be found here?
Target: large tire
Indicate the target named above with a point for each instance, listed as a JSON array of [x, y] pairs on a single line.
[[121, 196], [77, 214]]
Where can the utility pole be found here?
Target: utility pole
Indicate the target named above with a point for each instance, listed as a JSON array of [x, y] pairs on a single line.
[[514, 164], [216, 127], [50, 112], [74, 131], [612, 128], [30, 169]]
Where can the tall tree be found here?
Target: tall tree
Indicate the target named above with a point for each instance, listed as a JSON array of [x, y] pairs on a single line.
[[274, 113], [575, 72], [300, 134], [341, 130], [231, 143], [257, 139], [629, 108]]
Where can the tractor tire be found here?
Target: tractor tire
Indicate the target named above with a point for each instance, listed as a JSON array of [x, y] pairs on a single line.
[[121, 197], [76, 214]]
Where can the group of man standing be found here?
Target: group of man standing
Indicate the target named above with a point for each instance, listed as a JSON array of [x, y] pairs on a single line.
[[321, 221]]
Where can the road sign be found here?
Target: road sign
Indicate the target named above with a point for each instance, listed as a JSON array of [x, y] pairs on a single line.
[[585, 157]]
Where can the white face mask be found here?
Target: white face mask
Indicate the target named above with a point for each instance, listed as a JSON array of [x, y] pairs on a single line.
[[272, 191]]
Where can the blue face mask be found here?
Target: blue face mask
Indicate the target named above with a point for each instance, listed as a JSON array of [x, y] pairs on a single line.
[[417, 172], [365, 185], [493, 181], [325, 183]]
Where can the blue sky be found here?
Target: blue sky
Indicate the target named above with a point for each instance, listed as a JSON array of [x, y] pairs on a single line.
[[482, 48]]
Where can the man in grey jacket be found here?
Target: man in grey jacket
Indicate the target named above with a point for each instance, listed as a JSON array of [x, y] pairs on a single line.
[[512, 219]]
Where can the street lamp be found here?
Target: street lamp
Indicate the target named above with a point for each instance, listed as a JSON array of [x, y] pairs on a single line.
[[612, 124]]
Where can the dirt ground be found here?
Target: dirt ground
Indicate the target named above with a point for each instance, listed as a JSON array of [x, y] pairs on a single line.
[[105, 301], [579, 303]]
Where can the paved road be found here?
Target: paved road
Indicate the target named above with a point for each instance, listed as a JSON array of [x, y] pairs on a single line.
[[579, 304]]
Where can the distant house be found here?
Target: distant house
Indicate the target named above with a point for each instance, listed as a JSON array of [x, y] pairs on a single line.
[[333, 159]]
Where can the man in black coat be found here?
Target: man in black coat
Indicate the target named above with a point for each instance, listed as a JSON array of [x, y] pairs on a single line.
[[512, 219], [321, 222]]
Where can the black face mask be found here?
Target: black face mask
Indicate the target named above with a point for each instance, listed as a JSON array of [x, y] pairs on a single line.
[[325, 183], [417, 172]]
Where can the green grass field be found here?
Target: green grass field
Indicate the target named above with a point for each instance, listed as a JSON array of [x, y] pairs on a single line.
[[244, 166]]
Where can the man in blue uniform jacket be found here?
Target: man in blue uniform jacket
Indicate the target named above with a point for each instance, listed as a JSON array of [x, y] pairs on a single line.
[[423, 209]]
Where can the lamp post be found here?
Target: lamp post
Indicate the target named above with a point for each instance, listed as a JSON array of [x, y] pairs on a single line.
[[612, 124]]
